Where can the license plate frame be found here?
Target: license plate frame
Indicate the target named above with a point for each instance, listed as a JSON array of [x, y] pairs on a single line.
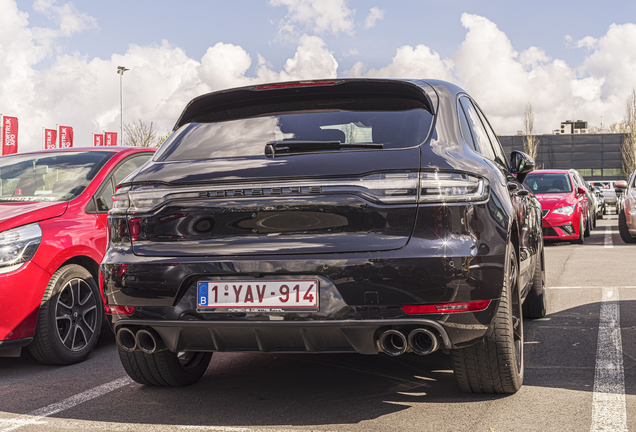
[[258, 295]]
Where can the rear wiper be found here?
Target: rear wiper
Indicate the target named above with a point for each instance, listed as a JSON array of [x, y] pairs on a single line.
[[274, 148]]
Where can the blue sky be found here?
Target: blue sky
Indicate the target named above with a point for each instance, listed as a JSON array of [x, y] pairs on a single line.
[[58, 58], [195, 25]]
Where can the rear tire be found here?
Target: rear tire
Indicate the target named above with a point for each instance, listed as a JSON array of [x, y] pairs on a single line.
[[495, 364], [535, 306], [70, 318], [165, 368], [622, 229]]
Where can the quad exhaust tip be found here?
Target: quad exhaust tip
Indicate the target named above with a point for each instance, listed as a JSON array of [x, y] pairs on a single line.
[[145, 340], [149, 341], [421, 341], [126, 339], [393, 343]]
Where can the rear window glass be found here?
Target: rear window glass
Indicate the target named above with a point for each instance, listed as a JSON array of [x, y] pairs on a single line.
[[391, 123], [549, 183]]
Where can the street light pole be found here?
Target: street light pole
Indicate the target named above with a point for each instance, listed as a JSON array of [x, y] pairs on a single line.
[[120, 71]]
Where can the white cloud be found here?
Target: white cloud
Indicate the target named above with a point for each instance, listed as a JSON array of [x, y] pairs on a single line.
[[374, 15], [409, 62], [316, 16], [67, 16]]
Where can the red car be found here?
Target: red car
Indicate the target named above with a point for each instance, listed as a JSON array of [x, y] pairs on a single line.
[[564, 205], [53, 235]]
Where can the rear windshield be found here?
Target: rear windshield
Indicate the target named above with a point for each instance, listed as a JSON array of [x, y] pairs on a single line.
[[48, 176], [393, 123], [604, 185], [549, 183]]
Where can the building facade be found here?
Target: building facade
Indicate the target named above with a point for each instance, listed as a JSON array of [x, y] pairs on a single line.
[[595, 156]]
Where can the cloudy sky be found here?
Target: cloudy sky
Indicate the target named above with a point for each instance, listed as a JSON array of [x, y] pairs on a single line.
[[58, 60]]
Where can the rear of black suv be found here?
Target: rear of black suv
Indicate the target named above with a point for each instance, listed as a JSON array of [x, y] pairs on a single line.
[[323, 216]]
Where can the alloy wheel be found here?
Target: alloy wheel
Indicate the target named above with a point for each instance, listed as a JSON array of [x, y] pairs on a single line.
[[76, 314]]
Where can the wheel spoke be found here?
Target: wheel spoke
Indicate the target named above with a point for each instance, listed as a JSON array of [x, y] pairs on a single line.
[[79, 337], [88, 326]]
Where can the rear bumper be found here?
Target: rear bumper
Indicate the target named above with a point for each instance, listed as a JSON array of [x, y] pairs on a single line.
[[332, 336]]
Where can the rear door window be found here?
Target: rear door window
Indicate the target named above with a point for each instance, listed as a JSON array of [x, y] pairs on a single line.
[[500, 156], [463, 123], [482, 142]]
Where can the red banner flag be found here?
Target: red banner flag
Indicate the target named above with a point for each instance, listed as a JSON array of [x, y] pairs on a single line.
[[9, 135], [66, 136], [50, 138], [110, 138], [98, 140]]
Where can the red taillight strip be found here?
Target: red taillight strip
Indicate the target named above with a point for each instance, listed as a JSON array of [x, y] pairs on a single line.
[[119, 310], [297, 84], [446, 308]]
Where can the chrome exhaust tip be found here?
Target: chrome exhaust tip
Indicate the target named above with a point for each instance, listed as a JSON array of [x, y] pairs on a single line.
[[149, 341], [422, 341], [393, 343], [126, 339]]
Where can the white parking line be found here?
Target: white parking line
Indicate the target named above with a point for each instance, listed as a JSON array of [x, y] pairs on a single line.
[[37, 415], [591, 287], [608, 403], [608, 237]]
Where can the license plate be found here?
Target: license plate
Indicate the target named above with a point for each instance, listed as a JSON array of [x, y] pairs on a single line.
[[258, 296]]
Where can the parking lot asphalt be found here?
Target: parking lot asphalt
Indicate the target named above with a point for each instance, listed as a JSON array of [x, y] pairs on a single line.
[[580, 375]]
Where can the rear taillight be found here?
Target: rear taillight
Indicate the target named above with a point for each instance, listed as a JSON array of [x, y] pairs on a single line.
[[119, 310], [444, 187], [385, 188], [120, 200], [446, 308]]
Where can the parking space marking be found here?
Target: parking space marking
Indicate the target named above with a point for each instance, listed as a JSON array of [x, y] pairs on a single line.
[[37, 415], [608, 403], [592, 287], [608, 237]]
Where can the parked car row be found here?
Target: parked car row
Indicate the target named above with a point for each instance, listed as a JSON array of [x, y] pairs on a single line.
[[344, 215]]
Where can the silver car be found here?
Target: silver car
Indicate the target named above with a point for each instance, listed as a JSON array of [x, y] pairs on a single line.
[[607, 188]]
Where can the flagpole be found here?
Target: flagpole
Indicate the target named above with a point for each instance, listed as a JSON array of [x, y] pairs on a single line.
[[57, 134]]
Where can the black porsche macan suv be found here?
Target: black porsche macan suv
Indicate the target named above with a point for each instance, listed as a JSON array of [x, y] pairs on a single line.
[[346, 215]]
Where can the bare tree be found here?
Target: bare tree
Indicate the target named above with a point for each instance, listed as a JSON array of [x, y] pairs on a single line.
[[618, 127], [530, 142], [140, 134], [628, 149]]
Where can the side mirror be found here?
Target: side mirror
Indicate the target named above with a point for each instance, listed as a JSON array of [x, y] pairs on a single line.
[[580, 190], [620, 186], [521, 164]]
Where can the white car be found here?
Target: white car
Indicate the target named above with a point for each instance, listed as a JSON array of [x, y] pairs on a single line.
[[607, 188]]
